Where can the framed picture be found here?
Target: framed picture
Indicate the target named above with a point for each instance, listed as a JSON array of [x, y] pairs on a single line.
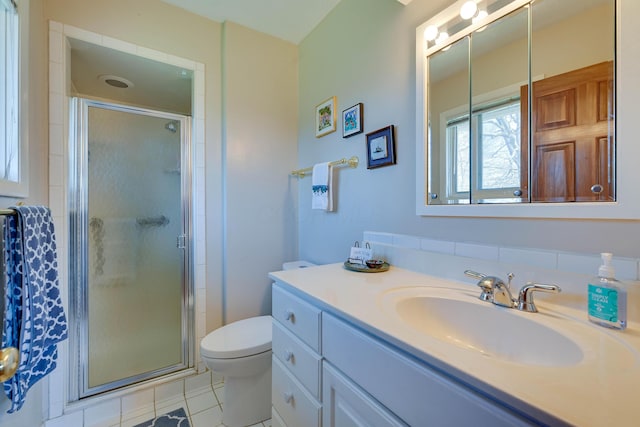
[[326, 117], [381, 148], [352, 121]]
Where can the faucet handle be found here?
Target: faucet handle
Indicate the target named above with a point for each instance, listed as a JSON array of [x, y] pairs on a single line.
[[475, 274], [525, 297], [484, 282], [510, 277]]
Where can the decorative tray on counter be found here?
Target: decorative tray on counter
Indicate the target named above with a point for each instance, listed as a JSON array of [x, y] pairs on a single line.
[[363, 268]]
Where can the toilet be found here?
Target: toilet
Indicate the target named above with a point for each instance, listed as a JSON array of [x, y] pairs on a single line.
[[241, 353]]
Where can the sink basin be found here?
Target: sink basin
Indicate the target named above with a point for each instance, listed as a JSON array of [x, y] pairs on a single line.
[[461, 319]]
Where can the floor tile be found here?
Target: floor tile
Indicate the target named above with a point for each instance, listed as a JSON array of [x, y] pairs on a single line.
[[207, 418], [200, 402], [219, 391], [171, 405], [197, 384]]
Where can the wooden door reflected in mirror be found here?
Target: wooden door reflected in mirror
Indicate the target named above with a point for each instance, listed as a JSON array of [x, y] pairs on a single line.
[[571, 136]]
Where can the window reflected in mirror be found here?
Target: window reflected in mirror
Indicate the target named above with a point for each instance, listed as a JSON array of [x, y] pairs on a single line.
[[449, 121], [500, 66]]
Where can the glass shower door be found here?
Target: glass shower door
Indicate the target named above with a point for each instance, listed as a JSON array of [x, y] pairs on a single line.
[[133, 260]]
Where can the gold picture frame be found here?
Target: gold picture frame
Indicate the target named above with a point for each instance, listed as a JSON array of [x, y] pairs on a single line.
[[326, 117]]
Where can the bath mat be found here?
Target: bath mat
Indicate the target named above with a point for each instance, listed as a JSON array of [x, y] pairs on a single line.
[[177, 418]]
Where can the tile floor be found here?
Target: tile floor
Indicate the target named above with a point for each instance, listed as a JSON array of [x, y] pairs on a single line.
[[204, 408]]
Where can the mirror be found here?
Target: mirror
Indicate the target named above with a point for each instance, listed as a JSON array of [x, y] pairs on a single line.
[[492, 140]]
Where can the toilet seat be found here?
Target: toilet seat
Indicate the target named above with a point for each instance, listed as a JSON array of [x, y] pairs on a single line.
[[238, 339]]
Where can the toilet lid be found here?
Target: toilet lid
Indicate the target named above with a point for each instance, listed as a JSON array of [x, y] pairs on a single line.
[[238, 339]]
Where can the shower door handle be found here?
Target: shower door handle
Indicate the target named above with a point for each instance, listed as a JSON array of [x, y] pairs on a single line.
[[181, 241]]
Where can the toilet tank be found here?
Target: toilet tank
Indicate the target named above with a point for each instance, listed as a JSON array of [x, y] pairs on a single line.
[[296, 264]]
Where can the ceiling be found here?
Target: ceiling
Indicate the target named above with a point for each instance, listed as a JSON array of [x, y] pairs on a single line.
[[164, 87], [154, 84], [290, 20]]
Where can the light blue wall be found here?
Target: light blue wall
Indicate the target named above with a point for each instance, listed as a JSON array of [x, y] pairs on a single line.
[[364, 51]]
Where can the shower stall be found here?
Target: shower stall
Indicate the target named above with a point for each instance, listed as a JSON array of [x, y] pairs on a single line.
[[130, 228]]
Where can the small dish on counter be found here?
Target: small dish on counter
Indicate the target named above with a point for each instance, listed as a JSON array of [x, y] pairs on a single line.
[[377, 266], [374, 263]]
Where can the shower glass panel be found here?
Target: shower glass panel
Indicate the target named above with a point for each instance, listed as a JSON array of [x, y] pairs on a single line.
[[131, 260]]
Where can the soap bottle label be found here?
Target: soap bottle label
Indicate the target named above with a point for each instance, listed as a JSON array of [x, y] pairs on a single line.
[[603, 303]]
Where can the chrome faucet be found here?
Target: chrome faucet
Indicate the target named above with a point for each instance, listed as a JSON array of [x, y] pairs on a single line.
[[496, 291], [525, 297]]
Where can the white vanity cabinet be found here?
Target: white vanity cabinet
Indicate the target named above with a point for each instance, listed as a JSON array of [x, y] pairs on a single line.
[[297, 364], [345, 404], [331, 373], [409, 389]]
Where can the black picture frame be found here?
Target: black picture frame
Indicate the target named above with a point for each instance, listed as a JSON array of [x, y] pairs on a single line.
[[352, 121], [381, 148]]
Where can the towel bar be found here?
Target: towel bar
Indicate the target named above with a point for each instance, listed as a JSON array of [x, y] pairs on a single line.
[[352, 162]]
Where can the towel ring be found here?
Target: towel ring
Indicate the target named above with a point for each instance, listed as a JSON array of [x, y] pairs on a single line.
[[9, 359]]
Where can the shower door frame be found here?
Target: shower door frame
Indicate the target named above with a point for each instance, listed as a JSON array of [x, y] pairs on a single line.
[[78, 249]]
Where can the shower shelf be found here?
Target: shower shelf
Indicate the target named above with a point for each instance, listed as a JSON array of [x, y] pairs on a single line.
[[152, 221]]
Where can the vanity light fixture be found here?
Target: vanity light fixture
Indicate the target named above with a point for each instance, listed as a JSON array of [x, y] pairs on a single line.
[[442, 37], [468, 10], [479, 16], [430, 33]]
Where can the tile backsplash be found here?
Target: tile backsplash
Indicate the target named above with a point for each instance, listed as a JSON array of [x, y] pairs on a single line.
[[449, 259]]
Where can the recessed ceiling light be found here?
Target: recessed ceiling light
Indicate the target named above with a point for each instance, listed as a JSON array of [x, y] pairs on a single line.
[[116, 81]]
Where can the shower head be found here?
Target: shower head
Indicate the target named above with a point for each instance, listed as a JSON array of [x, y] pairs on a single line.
[[172, 126]]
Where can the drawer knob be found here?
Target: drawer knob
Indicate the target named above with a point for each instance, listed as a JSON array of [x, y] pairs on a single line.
[[288, 396], [289, 315], [288, 356]]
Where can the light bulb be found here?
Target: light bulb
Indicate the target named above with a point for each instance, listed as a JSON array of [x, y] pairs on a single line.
[[430, 33], [468, 10], [442, 37], [481, 15]]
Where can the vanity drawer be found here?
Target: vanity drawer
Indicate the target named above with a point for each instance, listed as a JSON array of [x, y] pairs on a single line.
[[298, 358], [412, 391], [298, 316], [295, 406]]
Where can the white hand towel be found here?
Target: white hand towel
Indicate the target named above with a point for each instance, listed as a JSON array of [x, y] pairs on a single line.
[[322, 197]]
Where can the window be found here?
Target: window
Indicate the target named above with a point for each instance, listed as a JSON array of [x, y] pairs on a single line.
[[13, 133], [490, 146]]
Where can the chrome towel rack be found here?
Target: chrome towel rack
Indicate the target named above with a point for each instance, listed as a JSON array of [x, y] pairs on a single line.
[[352, 162]]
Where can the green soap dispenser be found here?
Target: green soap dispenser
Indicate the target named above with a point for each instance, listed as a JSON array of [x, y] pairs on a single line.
[[607, 297]]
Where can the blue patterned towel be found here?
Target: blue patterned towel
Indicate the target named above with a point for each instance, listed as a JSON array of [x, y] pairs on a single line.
[[34, 320]]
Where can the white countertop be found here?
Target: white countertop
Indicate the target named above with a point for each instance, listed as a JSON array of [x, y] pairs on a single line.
[[600, 390]]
